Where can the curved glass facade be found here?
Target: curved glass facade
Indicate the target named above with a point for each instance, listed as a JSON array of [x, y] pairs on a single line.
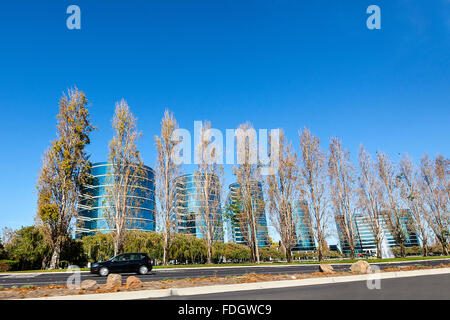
[[365, 239], [262, 234], [93, 202], [189, 207], [303, 228]]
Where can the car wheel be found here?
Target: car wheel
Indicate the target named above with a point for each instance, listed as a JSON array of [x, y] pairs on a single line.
[[103, 271], [143, 270]]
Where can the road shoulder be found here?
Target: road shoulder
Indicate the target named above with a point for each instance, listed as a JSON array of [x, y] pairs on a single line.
[[161, 293]]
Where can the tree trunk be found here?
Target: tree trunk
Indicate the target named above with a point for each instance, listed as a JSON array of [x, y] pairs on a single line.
[[319, 253], [288, 255], [166, 252], [352, 253], [54, 262], [256, 249], [209, 254], [44, 263], [117, 248], [444, 248], [252, 254], [425, 250], [254, 238], [402, 250], [379, 249]]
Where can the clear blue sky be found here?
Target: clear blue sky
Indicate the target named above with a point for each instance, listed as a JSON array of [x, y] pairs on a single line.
[[282, 64]]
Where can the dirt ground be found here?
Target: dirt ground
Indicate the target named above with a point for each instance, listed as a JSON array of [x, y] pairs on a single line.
[[60, 290]]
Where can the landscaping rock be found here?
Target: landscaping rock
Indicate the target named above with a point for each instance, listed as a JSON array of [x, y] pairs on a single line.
[[89, 285], [360, 267], [114, 281], [133, 283], [326, 268]]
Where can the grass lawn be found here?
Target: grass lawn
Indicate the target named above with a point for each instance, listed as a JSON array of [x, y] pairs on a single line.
[[39, 271], [264, 263]]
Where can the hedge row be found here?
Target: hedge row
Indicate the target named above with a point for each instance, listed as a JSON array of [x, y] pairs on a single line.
[[8, 265]]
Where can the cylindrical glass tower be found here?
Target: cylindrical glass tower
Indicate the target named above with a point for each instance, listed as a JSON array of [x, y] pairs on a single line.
[[190, 210], [93, 202], [262, 234]]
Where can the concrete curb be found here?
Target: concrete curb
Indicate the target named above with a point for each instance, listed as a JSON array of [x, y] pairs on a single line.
[[148, 294]]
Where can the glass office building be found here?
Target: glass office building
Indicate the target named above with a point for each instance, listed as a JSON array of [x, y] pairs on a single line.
[[365, 240], [262, 234], [303, 228], [93, 202], [190, 210]]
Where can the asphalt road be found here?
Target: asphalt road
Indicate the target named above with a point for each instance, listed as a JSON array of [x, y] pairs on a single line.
[[60, 278], [430, 287]]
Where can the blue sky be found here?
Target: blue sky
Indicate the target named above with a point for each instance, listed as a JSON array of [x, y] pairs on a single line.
[[282, 64]]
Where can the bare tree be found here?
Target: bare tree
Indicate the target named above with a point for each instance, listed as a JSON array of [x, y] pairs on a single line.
[[393, 215], [167, 170], [65, 170], [343, 192], [7, 235], [209, 188], [435, 188], [124, 189], [248, 178], [313, 173], [413, 200], [283, 195], [370, 197]]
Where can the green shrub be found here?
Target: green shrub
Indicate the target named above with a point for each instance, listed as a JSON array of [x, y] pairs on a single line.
[[303, 255], [8, 265], [237, 252], [188, 249], [27, 286], [29, 248], [311, 255], [3, 254], [98, 247], [72, 253], [267, 254], [436, 250], [218, 252], [145, 242], [410, 251]]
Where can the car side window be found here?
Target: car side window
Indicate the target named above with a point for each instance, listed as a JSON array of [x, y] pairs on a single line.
[[126, 257], [122, 257], [134, 257]]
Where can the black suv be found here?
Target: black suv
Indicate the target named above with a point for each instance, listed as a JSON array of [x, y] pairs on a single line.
[[125, 262]]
